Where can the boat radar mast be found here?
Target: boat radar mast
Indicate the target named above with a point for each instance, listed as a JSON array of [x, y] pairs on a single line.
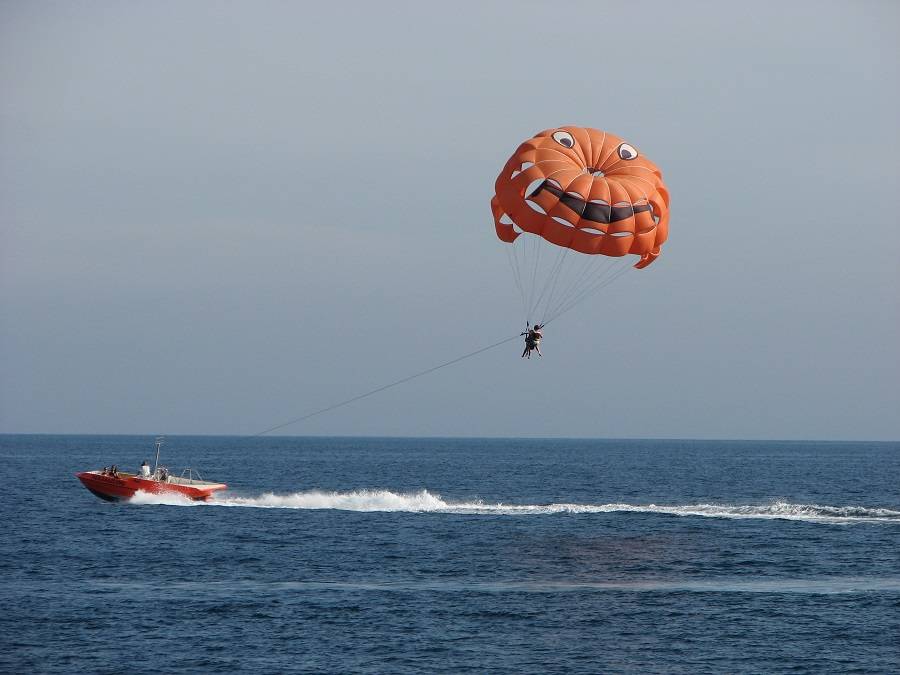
[[159, 441]]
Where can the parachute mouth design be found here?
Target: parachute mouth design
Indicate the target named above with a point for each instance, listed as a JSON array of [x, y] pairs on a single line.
[[506, 220], [596, 211]]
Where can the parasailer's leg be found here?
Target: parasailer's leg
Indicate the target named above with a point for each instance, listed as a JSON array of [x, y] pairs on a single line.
[[529, 347]]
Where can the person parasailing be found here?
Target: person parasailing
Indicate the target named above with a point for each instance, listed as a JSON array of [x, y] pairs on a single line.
[[533, 337]]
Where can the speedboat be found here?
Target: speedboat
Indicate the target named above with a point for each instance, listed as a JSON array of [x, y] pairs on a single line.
[[114, 485]]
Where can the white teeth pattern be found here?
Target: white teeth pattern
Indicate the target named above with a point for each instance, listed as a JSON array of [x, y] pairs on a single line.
[[535, 206], [506, 220], [533, 186], [601, 202], [591, 230], [622, 234], [554, 183], [563, 221], [516, 172]]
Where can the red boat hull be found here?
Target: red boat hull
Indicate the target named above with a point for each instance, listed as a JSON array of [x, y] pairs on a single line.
[[124, 486]]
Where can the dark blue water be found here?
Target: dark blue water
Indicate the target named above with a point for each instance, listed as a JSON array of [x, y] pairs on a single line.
[[430, 555]]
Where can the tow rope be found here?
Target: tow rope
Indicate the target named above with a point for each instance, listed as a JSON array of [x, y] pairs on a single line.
[[386, 386]]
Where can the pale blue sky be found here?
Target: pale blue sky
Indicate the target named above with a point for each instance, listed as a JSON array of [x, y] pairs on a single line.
[[219, 216]]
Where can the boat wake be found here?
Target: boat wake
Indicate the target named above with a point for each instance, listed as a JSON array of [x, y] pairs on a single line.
[[426, 502], [826, 585]]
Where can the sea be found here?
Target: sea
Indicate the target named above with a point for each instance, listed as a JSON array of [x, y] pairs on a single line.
[[454, 555]]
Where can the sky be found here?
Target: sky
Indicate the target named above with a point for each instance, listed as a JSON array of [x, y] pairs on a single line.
[[219, 216]]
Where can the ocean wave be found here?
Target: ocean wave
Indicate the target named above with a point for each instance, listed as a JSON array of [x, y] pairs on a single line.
[[826, 585], [427, 502]]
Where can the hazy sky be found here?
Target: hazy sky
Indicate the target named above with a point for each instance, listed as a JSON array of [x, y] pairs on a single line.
[[218, 216]]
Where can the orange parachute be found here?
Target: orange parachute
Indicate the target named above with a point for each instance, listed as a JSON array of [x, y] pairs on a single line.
[[586, 190], [581, 190]]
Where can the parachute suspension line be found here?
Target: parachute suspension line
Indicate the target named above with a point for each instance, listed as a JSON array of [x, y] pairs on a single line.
[[537, 260], [520, 245], [580, 277], [549, 306], [531, 260], [613, 272], [588, 294], [524, 256], [589, 273], [554, 274], [610, 272], [553, 286], [602, 282], [386, 386], [514, 266], [546, 277]]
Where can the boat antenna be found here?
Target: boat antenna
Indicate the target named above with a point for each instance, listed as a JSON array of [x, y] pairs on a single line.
[[159, 441]]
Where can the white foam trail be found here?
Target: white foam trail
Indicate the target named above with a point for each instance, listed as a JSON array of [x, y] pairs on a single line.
[[818, 586], [359, 500], [426, 502], [164, 498]]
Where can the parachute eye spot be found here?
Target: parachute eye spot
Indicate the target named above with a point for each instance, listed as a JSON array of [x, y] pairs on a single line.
[[627, 151], [534, 206], [564, 138]]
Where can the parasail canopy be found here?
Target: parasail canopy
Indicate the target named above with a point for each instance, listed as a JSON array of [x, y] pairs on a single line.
[[582, 190]]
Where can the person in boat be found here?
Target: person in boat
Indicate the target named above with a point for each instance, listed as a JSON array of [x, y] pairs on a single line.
[[114, 471], [533, 337], [145, 469]]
